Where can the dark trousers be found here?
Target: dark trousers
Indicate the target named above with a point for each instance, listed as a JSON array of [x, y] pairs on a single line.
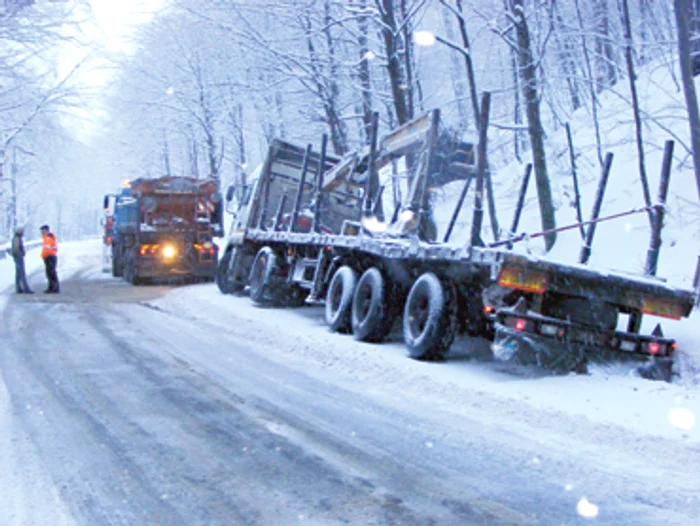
[[21, 284], [50, 263]]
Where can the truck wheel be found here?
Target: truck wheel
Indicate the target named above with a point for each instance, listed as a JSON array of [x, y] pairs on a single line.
[[226, 273], [289, 295], [339, 299], [117, 271], [259, 279], [130, 272], [372, 316], [430, 318]]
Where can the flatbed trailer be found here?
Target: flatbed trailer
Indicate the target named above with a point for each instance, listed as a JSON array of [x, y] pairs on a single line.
[[370, 252]]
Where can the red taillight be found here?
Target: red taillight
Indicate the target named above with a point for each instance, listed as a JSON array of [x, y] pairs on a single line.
[[148, 250], [108, 240], [488, 309], [674, 346], [653, 348], [520, 324], [206, 250]]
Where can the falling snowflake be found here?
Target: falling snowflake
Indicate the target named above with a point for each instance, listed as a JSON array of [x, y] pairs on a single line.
[[586, 509], [681, 418]]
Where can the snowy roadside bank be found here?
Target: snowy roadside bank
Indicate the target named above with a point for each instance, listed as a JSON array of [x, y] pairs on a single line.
[[605, 396]]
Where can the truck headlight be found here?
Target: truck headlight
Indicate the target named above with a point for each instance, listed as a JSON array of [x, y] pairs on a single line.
[[168, 252]]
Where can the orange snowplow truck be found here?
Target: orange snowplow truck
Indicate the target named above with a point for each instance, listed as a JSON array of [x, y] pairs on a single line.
[[164, 228]]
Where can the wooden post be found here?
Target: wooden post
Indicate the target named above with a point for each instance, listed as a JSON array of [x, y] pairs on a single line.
[[520, 204], [369, 183], [300, 191], [481, 167], [696, 283], [586, 249], [577, 194], [458, 208], [280, 211], [319, 184], [266, 173], [657, 222]]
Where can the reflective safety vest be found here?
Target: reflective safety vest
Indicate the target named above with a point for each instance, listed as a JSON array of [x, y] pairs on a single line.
[[49, 247]]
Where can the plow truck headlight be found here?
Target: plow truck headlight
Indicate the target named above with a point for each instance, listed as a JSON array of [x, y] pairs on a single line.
[[169, 252]]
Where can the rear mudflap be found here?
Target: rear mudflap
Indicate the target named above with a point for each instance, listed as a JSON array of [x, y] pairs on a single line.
[[528, 349], [561, 357]]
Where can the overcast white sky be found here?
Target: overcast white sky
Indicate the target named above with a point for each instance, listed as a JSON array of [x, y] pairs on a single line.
[[117, 18], [114, 23]]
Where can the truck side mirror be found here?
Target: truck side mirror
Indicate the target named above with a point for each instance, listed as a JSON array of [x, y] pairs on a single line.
[[105, 204], [245, 194], [229, 192]]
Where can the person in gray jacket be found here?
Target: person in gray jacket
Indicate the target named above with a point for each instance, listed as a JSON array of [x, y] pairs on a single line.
[[21, 285]]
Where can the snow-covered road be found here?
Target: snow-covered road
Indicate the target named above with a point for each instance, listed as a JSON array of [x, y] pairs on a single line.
[[178, 405]]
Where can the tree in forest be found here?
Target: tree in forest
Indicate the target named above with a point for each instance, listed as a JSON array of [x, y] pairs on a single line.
[[684, 13], [531, 99], [33, 90], [606, 73], [396, 28], [632, 78]]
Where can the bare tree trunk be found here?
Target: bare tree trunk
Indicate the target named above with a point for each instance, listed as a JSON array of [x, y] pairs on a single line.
[[458, 86], [591, 84], [166, 155], [528, 74], [518, 136], [396, 78], [683, 14], [694, 31], [340, 144], [326, 86], [471, 79], [606, 71], [194, 155], [364, 73], [13, 189], [408, 60], [566, 58], [635, 103]]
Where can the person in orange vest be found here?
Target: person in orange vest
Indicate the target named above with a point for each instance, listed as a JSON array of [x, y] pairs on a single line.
[[49, 253]]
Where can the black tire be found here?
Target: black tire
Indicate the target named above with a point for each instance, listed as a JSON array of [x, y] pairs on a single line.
[[226, 273], [260, 273], [430, 318], [289, 295], [130, 272], [117, 270], [372, 315], [339, 299]]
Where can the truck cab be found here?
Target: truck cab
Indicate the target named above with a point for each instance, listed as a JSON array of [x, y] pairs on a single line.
[[165, 228]]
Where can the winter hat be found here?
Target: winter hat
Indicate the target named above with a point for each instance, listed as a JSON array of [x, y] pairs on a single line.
[[19, 230], [44, 227]]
